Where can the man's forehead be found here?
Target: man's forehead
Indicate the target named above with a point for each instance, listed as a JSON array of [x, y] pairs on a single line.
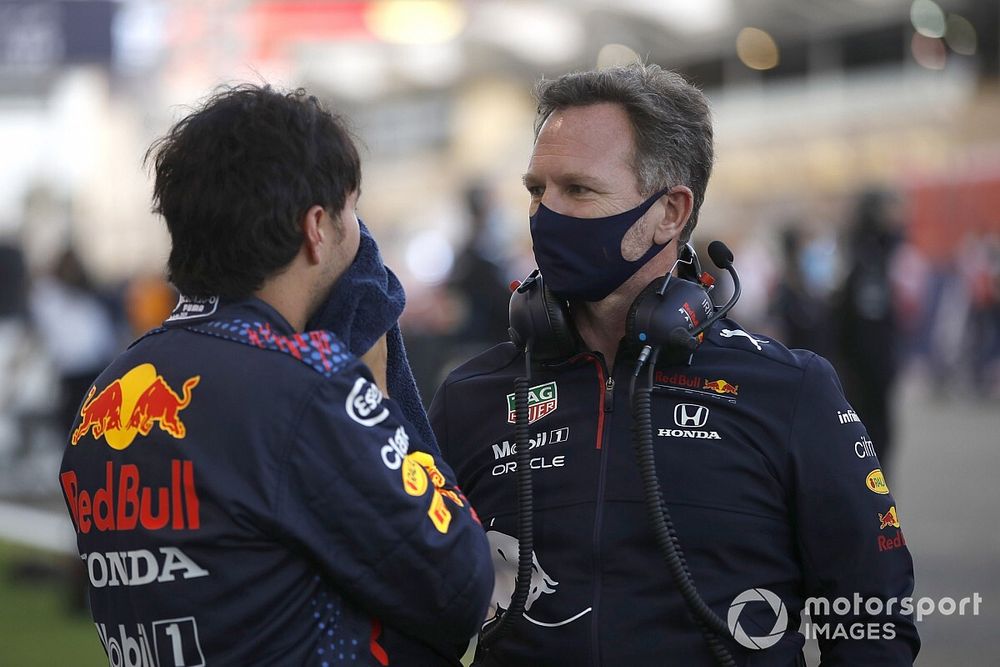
[[603, 125], [593, 133]]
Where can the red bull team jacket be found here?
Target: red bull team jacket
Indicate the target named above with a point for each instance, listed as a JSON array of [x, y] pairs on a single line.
[[770, 479], [245, 495]]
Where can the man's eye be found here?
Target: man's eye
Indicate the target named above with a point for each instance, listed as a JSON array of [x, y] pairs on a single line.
[[577, 189], [535, 190]]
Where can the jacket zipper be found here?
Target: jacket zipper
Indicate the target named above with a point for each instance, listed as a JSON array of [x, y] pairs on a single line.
[[606, 405], [606, 402]]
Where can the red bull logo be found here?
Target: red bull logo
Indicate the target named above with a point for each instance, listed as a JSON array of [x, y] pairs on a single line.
[[889, 519], [145, 397], [126, 503], [890, 543], [680, 380], [690, 315], [721, 387]]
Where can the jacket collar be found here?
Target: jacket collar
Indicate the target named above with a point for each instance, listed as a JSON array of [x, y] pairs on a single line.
[[202, 310]]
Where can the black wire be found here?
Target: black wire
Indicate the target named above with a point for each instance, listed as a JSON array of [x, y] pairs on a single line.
[[709, 624], [525, 511]]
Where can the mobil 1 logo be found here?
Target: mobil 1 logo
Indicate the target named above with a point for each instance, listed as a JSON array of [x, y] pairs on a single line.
[[170, 642]]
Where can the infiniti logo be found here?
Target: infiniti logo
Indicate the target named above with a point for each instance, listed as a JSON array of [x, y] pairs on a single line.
[[689, 415]]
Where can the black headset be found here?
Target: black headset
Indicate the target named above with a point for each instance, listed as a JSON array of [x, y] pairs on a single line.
[[671, 311], [669, 316]]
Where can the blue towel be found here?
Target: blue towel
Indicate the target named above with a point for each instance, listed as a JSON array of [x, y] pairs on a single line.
[[364, 304]]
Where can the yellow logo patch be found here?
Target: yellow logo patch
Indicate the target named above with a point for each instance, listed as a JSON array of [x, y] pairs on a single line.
[[418, 469], [876, 482]]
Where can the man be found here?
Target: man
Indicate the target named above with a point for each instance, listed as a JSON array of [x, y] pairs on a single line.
[[867, 332], [243, 491], [768, 475]]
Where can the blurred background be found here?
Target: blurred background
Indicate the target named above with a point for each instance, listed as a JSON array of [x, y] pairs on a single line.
[[857, 182]]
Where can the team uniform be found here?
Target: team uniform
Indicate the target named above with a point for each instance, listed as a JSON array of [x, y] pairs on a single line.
[[245, 495], [769, 476]]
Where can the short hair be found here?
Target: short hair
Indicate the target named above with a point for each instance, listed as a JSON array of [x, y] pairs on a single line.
[[235, 177], [670, 118]]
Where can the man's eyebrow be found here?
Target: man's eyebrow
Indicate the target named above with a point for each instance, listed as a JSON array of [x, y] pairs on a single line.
[[571, 177], [576, 177]]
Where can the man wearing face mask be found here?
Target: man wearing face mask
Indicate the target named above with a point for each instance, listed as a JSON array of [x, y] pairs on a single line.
[[768, 474]]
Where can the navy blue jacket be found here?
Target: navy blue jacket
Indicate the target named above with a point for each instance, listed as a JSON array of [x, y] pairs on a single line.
[[245, 495], [768, 474]]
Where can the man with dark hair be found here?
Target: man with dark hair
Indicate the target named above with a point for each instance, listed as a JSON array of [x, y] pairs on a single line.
[[244, 491], [774, 491]]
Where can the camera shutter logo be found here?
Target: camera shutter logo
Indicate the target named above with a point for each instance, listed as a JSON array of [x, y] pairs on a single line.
[[780, 622], [689, 415]]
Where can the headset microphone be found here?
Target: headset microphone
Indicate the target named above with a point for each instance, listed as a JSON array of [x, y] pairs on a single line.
[[722, 257]]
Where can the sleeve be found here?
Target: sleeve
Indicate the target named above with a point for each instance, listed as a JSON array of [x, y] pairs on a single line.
[[384, 517], [849, 534]]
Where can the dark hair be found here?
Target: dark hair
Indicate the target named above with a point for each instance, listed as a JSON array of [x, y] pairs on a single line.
[[670, 118], [234, 179]]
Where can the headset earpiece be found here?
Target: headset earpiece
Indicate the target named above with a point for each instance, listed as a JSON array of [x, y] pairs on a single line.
[[645, 299], [676, 314], [539, 317], [665, 314]]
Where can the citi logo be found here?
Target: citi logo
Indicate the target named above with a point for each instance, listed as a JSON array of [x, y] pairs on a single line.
[[848, 417], [688, 415], [864, 447]]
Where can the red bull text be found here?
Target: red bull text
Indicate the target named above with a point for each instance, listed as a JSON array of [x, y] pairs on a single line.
[[124, 503]]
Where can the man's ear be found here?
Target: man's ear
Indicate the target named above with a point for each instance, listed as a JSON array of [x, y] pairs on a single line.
[[677, 206], [314, 234]]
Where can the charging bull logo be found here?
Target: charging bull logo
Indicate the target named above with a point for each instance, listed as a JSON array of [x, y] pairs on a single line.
[[889, 519], [722, 387], [505, 559], [145, 397]]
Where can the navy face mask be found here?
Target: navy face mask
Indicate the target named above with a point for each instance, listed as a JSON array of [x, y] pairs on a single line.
[[581, 258]]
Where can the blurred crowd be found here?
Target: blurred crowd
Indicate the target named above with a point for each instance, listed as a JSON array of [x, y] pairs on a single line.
[[58, 330], [860, 291]]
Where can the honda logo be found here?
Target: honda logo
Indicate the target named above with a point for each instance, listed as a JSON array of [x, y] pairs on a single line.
[[690, 416]]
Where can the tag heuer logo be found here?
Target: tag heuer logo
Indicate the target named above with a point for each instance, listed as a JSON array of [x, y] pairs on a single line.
[[542, 400]]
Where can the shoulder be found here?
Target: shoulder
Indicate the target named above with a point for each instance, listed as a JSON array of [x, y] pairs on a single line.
[[503, 359], [769, 362], [271, 368], [320, 351], [729, 338]]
